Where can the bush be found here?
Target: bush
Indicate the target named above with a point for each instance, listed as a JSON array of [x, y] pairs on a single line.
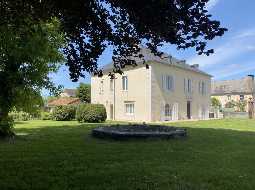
[[64, 113], [20, 116], [46, 116], [92, 113]]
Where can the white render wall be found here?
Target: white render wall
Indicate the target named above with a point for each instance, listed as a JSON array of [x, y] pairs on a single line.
[[138, 92], [160, 96]]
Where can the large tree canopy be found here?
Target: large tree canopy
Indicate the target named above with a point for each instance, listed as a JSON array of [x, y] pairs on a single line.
[[27, 55], [91, 25]]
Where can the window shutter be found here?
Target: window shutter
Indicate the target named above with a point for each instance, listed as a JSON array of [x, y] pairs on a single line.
[[185, 85], [162, 82], [199, 87], [172, 83]]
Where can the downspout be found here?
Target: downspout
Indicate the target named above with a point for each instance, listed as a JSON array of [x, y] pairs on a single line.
[[114, 97]]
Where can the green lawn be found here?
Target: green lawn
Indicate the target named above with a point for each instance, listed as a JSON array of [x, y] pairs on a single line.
[[216, 155]]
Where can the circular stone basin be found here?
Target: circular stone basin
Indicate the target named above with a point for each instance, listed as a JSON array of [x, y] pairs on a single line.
[[138, 131]]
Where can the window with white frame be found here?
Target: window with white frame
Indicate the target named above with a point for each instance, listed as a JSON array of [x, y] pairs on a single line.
[[101, 87], [167, 82], [187, 85], [168, 110], [202, 87], [129, 108], [124, 83]]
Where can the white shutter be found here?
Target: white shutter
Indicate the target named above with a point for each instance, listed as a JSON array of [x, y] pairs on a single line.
[[172, 83], [163, 82], [184, 85]]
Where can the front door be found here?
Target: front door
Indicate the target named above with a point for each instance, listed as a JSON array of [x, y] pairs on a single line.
[[188, 109]]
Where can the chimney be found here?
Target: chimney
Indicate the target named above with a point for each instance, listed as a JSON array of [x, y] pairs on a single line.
[[251, 76], [195, 66]]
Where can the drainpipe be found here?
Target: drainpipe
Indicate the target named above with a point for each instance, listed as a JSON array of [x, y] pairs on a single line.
[[114, 97]]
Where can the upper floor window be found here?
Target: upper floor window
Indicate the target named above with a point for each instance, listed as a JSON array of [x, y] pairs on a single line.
[[187, 85], [202, 87], [101, 87], [167, 82], [124, 83], [111, 85]]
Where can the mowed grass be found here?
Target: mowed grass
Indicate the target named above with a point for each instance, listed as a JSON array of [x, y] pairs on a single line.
[[216, 155]]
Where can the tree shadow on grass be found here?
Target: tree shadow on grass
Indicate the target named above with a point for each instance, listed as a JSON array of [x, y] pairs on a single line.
[[196, 134]]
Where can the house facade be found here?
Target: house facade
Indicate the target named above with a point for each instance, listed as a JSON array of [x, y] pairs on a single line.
[[160, 90], [234, 90]]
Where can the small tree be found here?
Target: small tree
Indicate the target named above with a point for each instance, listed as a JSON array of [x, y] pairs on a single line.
[[230, 104], [215, 102], [28, 53], [83, 92], [241, 105]]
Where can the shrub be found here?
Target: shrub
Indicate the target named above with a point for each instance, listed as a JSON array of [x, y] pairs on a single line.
[[92, 113], [20, 115], [46, 116], [64, 113]]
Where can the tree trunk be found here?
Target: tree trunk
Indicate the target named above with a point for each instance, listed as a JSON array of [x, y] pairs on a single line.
[[6, 123]]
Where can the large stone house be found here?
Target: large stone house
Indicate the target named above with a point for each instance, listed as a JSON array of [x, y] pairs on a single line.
[[160, 90], [237, 90]]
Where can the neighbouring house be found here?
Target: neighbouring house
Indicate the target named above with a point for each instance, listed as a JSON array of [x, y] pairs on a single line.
[[68, 93], [62, 101], [234, 90], [163, 89]]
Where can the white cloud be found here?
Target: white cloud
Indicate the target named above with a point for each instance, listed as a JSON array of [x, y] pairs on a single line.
[[211, 4], [234, 69], [238, 45], [246, 34]]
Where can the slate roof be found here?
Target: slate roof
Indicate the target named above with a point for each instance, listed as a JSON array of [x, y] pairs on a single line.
[[239, 86], [166, 59], [63, 101]]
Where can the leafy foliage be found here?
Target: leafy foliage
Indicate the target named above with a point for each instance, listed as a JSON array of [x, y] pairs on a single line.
[[230, 104], [91, 113], [46, 116], [215, 102], [92, 25], [83, 92], [241, 105], [64, 113], [28, 53], [20, 116]]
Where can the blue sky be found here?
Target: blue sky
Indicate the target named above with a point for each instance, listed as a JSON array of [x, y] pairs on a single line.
[[234, 55]]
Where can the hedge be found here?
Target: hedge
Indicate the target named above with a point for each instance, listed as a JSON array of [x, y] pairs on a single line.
[[92, 113], [64, 113]]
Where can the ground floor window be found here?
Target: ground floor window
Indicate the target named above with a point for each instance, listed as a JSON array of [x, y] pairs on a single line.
[[168, 111], [129, 108]]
